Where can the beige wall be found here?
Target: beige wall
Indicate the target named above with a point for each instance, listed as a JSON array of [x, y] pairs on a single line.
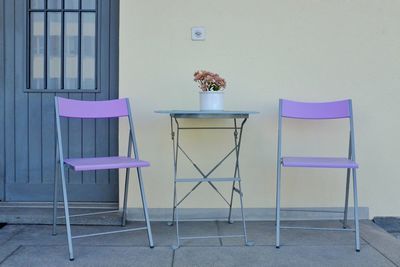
[[307, 50]]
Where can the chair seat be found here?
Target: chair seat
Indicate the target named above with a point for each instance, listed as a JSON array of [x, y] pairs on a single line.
[[318, 162], [104, 163]]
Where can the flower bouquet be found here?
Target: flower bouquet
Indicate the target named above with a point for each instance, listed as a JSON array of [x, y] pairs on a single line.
[[209, 81], [211, 85]]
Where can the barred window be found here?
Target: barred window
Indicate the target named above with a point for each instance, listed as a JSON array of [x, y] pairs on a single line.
[[62, 45]]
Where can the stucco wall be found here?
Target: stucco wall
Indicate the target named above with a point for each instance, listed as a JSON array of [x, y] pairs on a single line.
[[303, 50]]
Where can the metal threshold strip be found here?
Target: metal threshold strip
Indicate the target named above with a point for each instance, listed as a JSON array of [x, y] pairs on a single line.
[[41, 213], [74, 205]]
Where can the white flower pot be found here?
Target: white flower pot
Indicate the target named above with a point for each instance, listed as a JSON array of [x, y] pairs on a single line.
[[211, 100]]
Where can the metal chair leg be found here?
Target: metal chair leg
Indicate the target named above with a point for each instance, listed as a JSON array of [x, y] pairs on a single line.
[[55, 197], [278, 206], [346, 202], [66, 209], [123, 222], [144, 202], [356, 222]]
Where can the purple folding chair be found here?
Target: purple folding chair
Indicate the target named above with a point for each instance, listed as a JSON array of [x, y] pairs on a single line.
[[318, 111], [117, 108]]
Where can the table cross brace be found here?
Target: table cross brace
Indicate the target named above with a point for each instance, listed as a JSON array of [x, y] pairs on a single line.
[[205, 175]]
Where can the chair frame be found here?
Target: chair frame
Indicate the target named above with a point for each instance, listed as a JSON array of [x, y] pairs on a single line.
[[351, 156], [60, 169]]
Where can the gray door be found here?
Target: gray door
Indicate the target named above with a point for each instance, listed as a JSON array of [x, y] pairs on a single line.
[[67, 48]]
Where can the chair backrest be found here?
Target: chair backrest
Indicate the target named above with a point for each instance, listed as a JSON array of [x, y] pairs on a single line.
[[72, 108], [316, 111], [306, 110]]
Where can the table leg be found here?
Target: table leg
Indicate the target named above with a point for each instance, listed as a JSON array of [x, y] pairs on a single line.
[[175, 157], [238, 142], [235, 137], [236, 149]]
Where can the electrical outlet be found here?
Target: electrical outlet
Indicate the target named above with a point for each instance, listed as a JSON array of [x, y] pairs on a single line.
[[198, 34]]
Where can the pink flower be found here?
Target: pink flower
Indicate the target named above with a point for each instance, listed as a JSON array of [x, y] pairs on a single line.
[[209, 81]]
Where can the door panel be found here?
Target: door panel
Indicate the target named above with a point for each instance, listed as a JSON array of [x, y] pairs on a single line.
[[28, 118]]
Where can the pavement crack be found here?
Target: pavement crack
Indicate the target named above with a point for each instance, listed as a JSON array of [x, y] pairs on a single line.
[[380, 252], [11, 254], [13, 235]]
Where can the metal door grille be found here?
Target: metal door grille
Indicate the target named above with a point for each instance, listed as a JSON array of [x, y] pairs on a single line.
[[62, 45]]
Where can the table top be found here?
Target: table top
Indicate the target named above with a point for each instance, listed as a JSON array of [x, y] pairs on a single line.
[[203, 114]]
